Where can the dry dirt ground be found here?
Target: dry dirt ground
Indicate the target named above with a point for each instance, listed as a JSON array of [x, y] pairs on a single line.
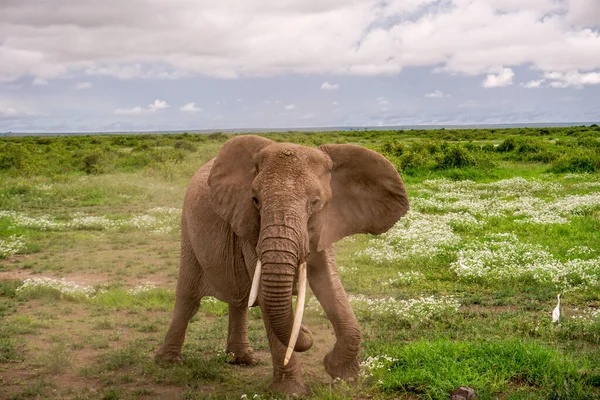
[[68, 340]]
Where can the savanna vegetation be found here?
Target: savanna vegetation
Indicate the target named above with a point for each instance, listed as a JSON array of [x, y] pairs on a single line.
[[459, 293]]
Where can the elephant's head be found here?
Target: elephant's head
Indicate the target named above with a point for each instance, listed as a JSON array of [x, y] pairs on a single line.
[[291, 200]]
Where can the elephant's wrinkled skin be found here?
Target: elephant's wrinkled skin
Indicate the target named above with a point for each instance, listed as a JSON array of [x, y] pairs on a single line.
[[284, 204]]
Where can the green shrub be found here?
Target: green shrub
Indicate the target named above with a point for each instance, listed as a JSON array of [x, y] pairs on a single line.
[[393, 148], [507, 145], [455, 156], [185, 145], [12, 156], [582, 162], [92, 163]]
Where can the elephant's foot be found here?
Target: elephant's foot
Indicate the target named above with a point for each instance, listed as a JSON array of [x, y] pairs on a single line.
[[168, 356], [288, 387], [243, 357], [338, 367]]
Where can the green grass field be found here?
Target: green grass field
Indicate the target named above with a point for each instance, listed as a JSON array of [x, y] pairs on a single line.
[[459, 293]]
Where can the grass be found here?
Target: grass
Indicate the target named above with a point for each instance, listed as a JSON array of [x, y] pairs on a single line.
[[519, 207], [434, 368]]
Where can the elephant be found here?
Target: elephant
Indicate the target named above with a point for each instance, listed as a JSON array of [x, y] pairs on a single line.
[[258, 221]]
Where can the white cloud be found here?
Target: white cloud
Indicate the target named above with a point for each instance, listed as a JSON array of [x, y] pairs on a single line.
[[137, 110], [131, 111], [190, 107], [354, 37], [335, 103], [502, 79], [270, 102], [329, 86], [584, 13], [158, 105], [535, 84], [8, 112], [290, 107], [17, 107], [84, 85], [382, 101], [436, 94], [572, 79], [40, 81]]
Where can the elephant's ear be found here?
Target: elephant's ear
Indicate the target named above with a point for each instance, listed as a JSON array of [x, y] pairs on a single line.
[[230, 183], [368, 195]]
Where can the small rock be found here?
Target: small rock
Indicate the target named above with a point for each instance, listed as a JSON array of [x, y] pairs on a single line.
[[463, 393]]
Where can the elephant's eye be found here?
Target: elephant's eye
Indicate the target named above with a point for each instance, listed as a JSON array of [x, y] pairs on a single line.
[[255, 201], [316, 203]]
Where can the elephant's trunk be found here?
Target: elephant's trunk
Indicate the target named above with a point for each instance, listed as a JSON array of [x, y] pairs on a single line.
[[281, 250]]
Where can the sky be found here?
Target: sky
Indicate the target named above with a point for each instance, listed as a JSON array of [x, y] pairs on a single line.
[[113, 65]]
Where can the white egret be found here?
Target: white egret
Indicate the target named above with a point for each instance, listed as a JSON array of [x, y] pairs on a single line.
[[556, 311]]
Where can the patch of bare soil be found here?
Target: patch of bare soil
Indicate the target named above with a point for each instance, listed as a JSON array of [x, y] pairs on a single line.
[[72, 324], [88, 279]]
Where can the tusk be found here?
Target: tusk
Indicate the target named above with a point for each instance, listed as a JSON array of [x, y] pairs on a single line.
[[255, 284], [299, 312]]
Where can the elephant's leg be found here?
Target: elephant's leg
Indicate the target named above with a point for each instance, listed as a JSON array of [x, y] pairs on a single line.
[[189, 292], [237, 337], [286, 379], [324, 279]]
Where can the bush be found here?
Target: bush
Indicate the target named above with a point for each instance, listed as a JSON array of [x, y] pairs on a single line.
[[393, 148], [455, 156], [185, 145], [92, 163], [507, 145], [12, 156], [577, 163]]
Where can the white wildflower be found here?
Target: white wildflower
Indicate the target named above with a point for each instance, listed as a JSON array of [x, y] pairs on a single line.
[[10, 246], [504, 257], [163, 220], [405, 278], [143, 288], [587, 317], [534, 201], [64, 287], [375, 363], [421, 309], [415, 235]]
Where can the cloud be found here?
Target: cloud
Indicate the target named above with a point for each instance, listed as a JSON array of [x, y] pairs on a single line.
[[368, 38], [131, 111], [190, 107], [158, 105], [382, 101], [329, 86], [270, 102], [436, 94], [40, 82], [572, 79], [535, 84], [334, 103], [584, 13], [8, 112], [84, 85], [137, 110], [502, 79], [290, 107]]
